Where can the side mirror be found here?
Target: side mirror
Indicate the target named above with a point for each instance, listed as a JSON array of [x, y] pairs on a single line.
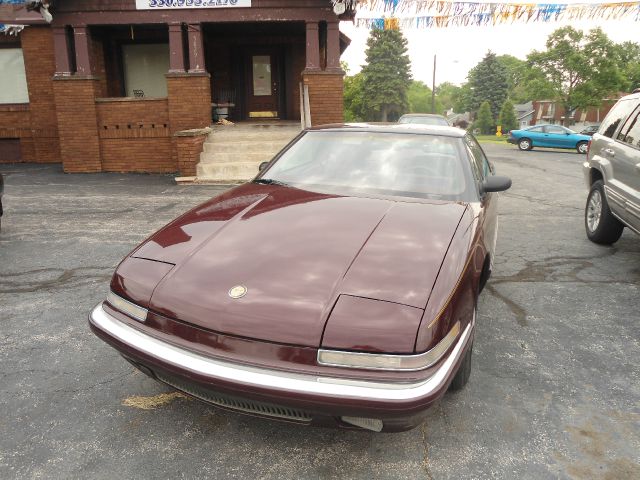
[[496, 184], [262, 166]]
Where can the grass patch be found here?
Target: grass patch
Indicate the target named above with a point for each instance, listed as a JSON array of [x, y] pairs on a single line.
[[491, 139]]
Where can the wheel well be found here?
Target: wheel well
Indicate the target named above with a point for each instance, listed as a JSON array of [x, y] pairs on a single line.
[[595, 175], [486, 273]]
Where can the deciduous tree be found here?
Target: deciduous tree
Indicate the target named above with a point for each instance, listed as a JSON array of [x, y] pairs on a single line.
[[580, 69]]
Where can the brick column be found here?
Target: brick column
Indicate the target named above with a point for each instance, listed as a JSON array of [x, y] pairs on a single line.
[[326, 96], [189, 99], [77, 123], [40, 66]]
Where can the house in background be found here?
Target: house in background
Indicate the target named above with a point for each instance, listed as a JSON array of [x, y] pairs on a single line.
[[525, 114], [549, 111], [109, 84]]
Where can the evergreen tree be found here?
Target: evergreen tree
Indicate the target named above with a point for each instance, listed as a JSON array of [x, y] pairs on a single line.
[[484, 121], [507, 118], [387, 75], [488, 81]]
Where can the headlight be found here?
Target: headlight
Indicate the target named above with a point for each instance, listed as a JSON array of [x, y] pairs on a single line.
[[374, 361], [125, 306]]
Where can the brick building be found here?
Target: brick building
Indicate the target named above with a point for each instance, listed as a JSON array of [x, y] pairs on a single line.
[[549, 111], [112, 85]]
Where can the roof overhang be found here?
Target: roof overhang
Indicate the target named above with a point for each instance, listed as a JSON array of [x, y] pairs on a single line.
[[12, 14]]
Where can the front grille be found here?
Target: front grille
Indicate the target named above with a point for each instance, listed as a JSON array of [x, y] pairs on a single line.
[[246, 406]]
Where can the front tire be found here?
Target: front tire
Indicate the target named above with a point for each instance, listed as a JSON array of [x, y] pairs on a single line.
[[525, 144], [602, 227], [464, 372], [582, 147]]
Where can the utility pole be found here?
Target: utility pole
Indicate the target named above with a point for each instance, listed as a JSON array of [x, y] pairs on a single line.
[[433, 90]]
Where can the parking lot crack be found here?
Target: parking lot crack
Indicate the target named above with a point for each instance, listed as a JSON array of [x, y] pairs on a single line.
[[425, 446]]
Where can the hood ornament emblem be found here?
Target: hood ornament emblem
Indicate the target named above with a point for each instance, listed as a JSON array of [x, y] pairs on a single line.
[[238, 291]]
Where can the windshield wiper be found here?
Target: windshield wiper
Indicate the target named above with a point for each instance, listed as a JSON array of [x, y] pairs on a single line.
[[270, 181]]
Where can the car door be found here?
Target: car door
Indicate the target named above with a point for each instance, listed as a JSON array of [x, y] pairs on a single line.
[[605, 151], [536, 135], [627, 162], [555, 136], [488, 207]]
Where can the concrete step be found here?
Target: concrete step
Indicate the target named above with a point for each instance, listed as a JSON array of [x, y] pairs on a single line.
[[254, 132], [227, 172], [244, 147], [229, 157]]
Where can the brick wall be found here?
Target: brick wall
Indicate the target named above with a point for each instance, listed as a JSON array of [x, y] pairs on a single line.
[[326, 97], [39, 60], [189, 147], [15, 122], [35, 123], [77, 124], [134, 135]]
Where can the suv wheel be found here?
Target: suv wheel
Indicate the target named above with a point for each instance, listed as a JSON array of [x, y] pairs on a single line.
[[582, 147], [602, 227], [525, 144]]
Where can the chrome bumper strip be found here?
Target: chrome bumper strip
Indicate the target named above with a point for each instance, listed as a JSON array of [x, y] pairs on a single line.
[[273, 380]]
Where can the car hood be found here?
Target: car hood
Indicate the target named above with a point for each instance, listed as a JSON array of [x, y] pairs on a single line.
[[296, 252]]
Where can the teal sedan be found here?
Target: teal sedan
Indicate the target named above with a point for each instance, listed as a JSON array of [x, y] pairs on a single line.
[[549, 136]]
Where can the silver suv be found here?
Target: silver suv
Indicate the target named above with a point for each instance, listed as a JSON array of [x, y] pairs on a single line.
[[612, 172]]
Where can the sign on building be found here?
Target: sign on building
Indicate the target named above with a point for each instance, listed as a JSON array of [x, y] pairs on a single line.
[[164, 4]]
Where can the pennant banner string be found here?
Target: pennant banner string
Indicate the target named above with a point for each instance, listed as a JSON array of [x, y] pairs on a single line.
[[439, 13]]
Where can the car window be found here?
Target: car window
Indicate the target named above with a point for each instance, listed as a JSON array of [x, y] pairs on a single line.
[[535, 129], [630, 132], [424, 121], [480, 163], [616, 116], [555, 129], [410, 165]]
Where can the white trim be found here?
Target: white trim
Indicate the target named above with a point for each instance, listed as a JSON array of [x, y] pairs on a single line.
[[274, 381]]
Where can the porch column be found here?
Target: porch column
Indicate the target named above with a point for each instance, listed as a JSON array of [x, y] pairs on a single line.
[[176, 47], [313, 47], [333, 46], [61, 50], [83, 55], [196, 48]]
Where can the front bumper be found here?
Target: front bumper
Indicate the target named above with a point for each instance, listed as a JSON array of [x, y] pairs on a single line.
[[400, 405], [512, 140]]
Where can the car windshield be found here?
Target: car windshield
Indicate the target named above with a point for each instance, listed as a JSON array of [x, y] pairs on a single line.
[[424, 120], [411, 165]]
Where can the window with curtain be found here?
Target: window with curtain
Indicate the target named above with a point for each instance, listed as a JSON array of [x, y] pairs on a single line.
[[145, 67], [13, 79]]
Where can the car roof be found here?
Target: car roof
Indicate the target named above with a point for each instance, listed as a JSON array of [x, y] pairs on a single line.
[[418, 129], [633, 96], [422, 115]]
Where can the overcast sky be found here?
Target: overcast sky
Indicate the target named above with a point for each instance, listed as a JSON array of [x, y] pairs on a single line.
[[460, 48]]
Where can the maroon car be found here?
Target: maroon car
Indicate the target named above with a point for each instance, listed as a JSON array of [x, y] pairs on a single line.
[[338, 288]]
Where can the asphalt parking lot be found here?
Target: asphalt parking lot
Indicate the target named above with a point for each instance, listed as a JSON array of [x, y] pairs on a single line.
[[554, 392]]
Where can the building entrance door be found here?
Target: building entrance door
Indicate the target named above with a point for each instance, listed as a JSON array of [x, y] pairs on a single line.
[[264, 84]]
